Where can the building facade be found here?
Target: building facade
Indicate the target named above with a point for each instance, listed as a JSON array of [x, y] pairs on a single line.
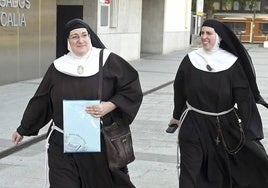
[[30, 30], [248, 19]]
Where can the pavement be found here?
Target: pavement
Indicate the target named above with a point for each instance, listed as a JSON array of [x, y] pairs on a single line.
[[155, 150]]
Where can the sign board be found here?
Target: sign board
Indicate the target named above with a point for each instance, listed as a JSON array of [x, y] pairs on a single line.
[[105, 1], [12, 13], [199, 7]]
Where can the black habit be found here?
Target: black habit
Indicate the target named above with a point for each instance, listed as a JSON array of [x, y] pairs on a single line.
[[205, 163], [121, 86]]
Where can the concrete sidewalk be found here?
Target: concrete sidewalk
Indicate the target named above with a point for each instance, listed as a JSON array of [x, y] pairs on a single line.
[[155, 164]]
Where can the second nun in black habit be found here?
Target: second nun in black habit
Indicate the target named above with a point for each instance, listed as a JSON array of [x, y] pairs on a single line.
[[74, 76], [215, 96]]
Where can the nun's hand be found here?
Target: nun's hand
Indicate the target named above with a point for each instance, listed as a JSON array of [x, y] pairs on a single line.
[[101, 109], [174, 121], [16, 138]]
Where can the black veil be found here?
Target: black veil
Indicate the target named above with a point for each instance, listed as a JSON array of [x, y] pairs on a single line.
[[78, 23], [231, 44]]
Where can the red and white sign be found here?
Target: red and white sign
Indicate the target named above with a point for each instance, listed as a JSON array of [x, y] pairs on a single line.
[[105, 1]]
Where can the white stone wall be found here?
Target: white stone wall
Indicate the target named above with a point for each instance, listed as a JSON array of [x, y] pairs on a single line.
[[124, 38], [165, 25], [177, 19]]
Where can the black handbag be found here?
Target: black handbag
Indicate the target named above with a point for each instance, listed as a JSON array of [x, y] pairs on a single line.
[[119, 148], [117, 137]]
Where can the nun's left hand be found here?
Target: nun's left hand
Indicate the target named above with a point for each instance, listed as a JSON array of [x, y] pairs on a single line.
[[101, 109]]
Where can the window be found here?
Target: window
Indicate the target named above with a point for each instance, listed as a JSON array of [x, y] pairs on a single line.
[[109, 14], [249, 6], [236, 5], [237, 27], [263, 30], [104, 18]]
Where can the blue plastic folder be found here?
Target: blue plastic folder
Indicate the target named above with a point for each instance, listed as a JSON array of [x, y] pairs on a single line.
[[81, 130]]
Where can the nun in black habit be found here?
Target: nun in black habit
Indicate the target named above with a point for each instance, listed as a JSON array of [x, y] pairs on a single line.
[[74, 76], [215, 96]]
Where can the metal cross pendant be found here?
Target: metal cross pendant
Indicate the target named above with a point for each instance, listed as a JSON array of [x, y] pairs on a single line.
[[217, 140]]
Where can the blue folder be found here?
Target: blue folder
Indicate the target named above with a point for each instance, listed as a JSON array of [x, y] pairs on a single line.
[[81, 130]]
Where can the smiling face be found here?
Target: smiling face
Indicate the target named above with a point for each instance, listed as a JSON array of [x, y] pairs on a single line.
[[208, 37], [79, 41]]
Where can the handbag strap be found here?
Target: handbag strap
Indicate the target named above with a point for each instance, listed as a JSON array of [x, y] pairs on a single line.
[[100, 74]]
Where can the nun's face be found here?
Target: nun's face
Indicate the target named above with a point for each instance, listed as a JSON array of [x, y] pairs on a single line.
[[208, 37], [79, 41]]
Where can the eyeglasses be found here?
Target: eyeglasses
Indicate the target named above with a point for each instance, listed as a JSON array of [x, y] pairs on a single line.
[[76, 37]]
